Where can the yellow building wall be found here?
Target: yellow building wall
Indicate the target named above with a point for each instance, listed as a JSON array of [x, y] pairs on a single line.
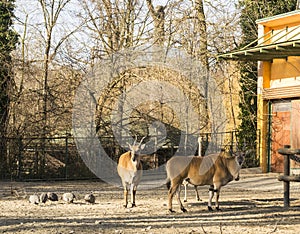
[[264, 74], [275, 74], [285, 72]]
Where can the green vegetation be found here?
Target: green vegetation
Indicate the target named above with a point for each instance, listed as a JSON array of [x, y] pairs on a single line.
[[8, 41]]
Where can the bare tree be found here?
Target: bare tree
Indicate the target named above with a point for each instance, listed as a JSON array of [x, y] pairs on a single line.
[[45, 81], [114, 25], [202, 52], [51, 11], [158, 16], [52, 54]]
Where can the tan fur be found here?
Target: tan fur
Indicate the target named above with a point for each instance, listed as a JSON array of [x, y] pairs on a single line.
[[130, 171], [185, 184], [125, 162], [215, 170]]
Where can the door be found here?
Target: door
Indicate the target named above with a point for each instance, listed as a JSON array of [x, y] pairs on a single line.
[[280, 132]]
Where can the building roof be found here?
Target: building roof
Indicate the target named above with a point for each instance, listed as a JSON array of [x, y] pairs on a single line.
[[265, 52], [282, 19], [271, 45]]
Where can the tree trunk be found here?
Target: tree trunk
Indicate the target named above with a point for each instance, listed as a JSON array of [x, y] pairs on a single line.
[[3, 145], [4, 109], [202, 53], [158, 15]]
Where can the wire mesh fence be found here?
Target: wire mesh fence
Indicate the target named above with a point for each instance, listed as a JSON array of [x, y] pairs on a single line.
[[57, 158], [43, 158]]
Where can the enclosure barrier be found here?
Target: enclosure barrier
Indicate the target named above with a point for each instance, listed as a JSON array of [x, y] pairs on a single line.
[[57, 158], [288, 154]]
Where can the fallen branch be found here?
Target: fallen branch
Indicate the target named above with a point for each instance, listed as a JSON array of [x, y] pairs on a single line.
[[203, 229], [275, 228]]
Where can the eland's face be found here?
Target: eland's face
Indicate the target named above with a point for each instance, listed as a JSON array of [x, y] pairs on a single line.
[[235, 164], [240, 157], [135, 150]]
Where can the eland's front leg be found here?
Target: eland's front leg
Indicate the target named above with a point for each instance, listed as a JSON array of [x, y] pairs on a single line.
[[133, 193], [125, 196], [211, 195]]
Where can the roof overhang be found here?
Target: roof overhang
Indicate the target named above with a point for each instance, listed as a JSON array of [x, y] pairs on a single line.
[[265, 52], [280, 43]]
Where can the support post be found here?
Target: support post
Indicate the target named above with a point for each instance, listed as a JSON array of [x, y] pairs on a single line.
[[286, 184], [286, 151], [286, 178]]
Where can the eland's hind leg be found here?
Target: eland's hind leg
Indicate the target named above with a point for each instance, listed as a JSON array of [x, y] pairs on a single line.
[[178, 199], [185, 184], [171, 193], [197, 193], [175, 186]]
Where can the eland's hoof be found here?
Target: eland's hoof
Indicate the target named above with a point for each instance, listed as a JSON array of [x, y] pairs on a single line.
[[171, 211], [218, 209], [209, 208], [183, 209]]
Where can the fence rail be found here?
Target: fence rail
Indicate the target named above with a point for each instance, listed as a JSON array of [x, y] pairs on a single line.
[[57, 157]]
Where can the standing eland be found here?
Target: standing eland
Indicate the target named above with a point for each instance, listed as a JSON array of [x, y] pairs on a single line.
[[215, 170], [130, 170]]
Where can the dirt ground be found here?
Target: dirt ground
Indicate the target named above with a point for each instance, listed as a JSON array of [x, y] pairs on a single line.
[[252, 205]]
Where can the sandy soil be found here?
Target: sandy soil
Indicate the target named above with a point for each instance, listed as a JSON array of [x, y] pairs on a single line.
[[252, 205]]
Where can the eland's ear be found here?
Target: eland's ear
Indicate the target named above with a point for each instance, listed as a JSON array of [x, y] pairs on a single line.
[[225, 154], [142, 146]]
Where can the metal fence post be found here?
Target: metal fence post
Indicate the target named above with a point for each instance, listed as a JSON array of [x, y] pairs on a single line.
[[66, 157], [20, 158]]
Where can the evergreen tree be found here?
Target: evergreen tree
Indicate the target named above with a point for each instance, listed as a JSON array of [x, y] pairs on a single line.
[[8, 41], [250, 12]]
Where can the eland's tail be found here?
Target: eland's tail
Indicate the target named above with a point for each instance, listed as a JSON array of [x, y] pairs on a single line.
[[168, 183]]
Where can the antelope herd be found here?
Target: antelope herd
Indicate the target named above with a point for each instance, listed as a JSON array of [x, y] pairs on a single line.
[[215, 170]]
